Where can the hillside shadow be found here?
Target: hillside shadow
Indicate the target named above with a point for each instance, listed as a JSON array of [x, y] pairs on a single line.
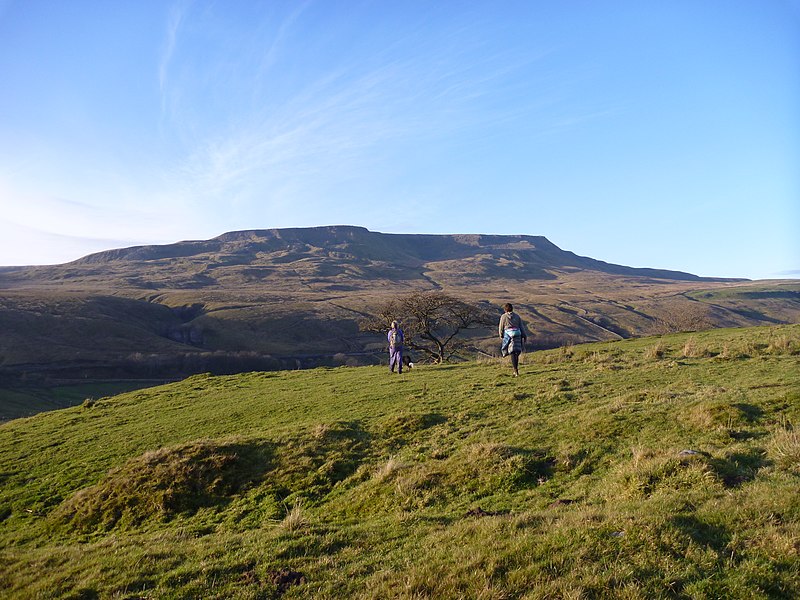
[[751, 412], [750, 313], [739, 467], [702, 533], [311, 463], [539, 465]]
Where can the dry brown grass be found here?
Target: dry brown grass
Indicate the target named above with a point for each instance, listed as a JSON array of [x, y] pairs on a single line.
[[296, 518], [783, 344], [656, 352], [388, 469], [692, 349], [784, 447]]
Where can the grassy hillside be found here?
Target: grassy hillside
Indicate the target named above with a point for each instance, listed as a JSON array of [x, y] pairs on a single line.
[[273, 299], [29, 400], [652, 468]]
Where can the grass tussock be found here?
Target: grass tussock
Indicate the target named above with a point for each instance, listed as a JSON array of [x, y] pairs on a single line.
[[163, 483], [490, 467], [296, 519], [598, 474], [389, 469], [397, 429], [783, 447], [719, 413], [656, 351], [560, 355], [783, 344], [693, 349], [650, 473]]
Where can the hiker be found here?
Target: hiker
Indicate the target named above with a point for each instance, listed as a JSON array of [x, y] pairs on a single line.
[[512, 332], [395, 347]]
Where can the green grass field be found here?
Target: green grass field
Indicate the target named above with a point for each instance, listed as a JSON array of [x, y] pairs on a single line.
[[652, 468], [29, 400]]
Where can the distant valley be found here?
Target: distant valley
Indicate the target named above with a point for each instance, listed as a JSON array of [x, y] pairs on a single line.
[[292, 298]]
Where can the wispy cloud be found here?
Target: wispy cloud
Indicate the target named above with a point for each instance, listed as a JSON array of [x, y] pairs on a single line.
[[340, 119], [176, 17], [260, 117], [272, 51], [25, 245], [46, 216]]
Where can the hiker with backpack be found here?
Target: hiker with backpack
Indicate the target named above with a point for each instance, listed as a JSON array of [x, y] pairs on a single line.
[[512, 332], [396, 340]]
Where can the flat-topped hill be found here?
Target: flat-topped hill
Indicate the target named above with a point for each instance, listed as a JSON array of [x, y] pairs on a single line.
[[289, 298], [328, 255]]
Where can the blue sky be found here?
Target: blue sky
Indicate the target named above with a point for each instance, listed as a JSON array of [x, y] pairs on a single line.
[[647, 133]]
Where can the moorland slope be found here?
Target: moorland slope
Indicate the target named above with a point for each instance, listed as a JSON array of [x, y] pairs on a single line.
[[650, 468], [288, 298]]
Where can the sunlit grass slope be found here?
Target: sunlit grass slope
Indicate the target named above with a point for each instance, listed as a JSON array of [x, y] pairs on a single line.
[[655, 468]]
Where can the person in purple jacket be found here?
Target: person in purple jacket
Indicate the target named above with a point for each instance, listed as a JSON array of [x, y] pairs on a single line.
[[396, 339]]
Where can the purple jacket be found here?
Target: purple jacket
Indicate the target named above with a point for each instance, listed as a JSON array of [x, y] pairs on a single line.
[[397, 336]]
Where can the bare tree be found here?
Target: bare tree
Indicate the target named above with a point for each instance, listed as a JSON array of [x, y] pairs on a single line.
[[431, 322]]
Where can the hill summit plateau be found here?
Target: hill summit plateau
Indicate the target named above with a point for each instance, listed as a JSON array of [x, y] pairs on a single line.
[[335, 253]]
